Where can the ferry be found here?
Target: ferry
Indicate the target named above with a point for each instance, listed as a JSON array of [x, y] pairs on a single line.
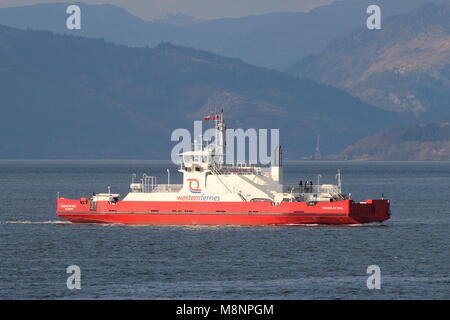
[[215, 193]]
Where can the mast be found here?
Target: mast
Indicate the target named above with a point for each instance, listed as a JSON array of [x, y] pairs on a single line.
[[277, 172], [338, 177], [220, 136], [318, 155]]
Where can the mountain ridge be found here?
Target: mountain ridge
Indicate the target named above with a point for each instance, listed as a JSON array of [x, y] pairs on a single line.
[[73, 97], [404, 67], [275, 40], [425, 141]]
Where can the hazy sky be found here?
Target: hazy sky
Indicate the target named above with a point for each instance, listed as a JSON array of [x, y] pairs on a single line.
[[204, 9]]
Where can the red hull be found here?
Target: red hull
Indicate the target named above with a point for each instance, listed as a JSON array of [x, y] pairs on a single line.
[[223, 213]]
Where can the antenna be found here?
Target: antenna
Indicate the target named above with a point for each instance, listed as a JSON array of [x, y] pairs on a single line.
[[338, 177], [318, 155]]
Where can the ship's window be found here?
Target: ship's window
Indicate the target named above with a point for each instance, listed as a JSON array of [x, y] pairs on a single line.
[[113, 200]]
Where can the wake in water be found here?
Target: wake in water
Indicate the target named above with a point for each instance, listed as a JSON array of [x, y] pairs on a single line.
[[371, 224], [57, 222], [35, 222]]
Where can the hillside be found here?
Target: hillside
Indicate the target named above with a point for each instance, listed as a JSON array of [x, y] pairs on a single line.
[[72, 97], [274, 40], [405, 67], [429, 141]]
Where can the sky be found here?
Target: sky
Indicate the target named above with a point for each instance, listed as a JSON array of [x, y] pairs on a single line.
[[202, 9]]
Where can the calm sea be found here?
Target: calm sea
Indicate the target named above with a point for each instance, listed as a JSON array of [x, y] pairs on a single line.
[[169, 262]]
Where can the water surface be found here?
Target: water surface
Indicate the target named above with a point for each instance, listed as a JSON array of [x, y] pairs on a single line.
[[172, 262]]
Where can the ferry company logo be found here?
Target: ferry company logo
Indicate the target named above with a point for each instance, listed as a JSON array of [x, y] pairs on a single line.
[[200, 197], [194, 186]]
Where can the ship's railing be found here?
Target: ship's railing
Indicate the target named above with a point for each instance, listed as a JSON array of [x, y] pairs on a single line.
[[167, 188], [239, 168], [141, 187], [324, 188]]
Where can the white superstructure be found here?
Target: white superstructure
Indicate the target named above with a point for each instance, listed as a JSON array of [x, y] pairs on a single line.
[[207, 178]]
